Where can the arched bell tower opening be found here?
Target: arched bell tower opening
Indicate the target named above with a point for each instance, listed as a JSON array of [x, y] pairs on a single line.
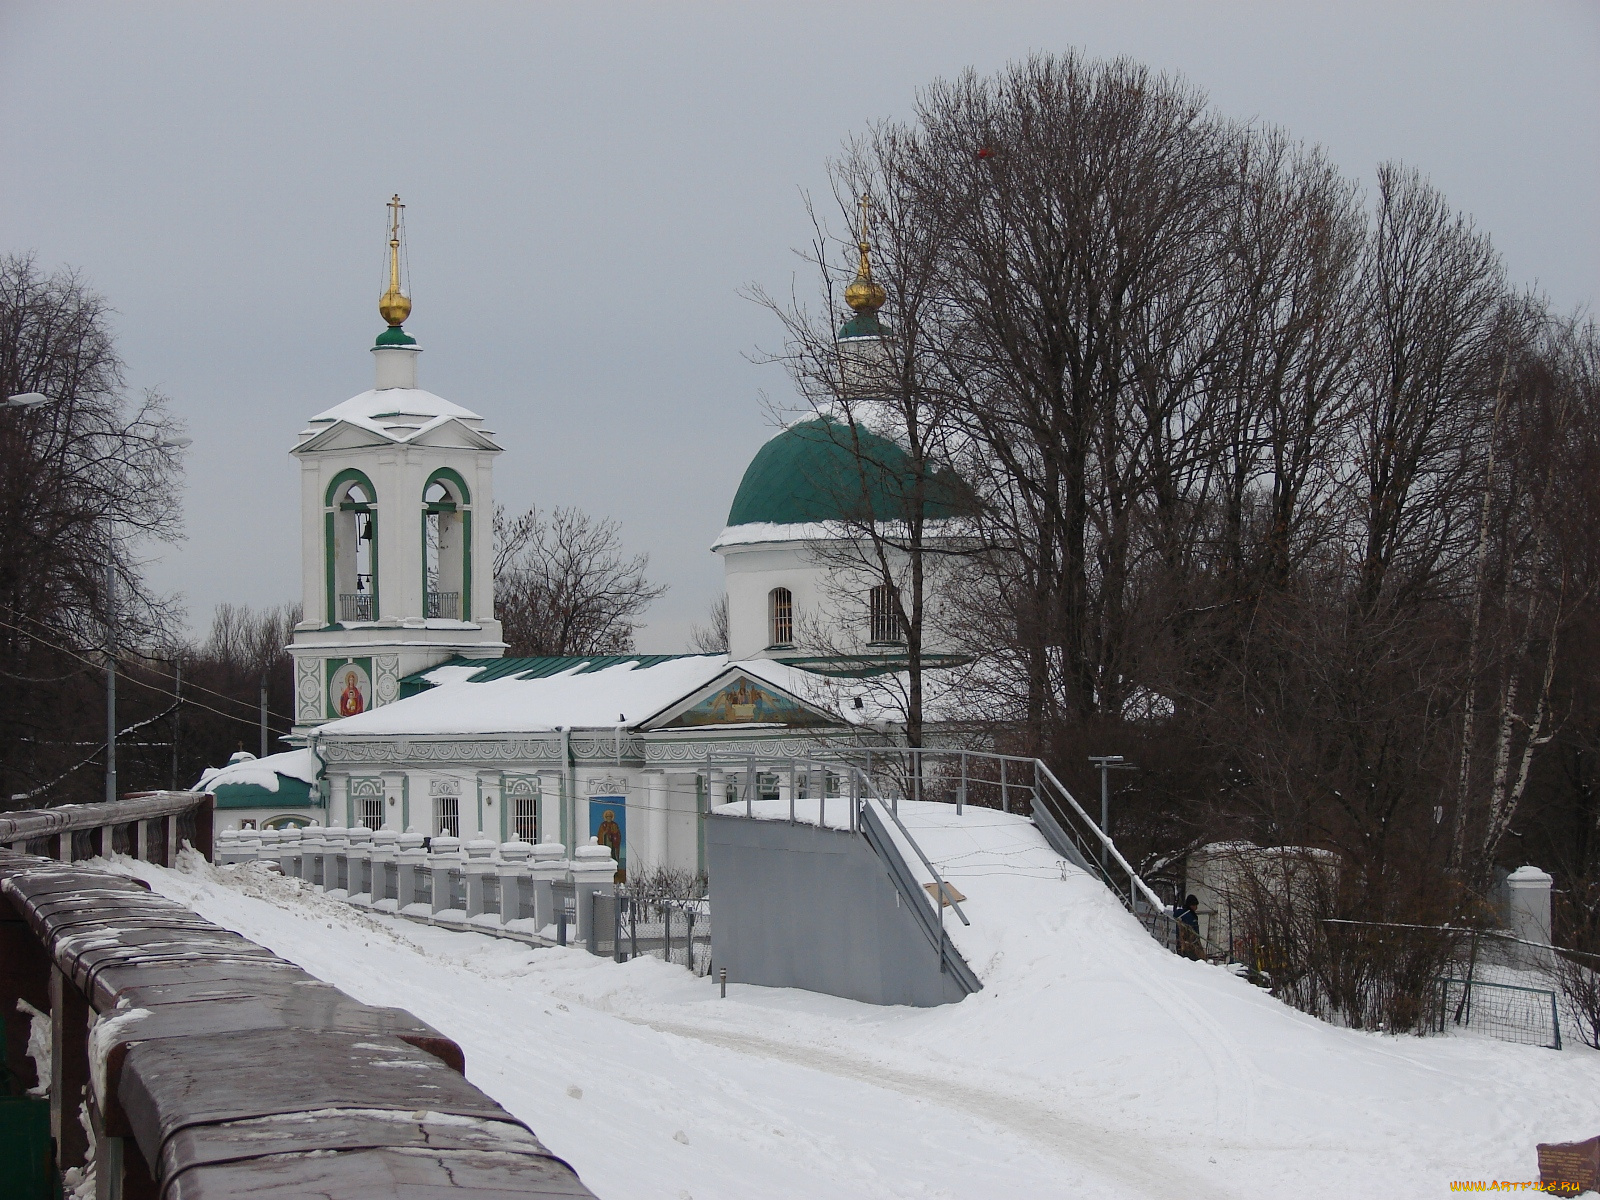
[[351, 521], [447, 546]]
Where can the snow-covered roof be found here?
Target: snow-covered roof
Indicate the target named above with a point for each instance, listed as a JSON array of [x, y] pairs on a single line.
[[395, 414], [262, 772], [477, 698]]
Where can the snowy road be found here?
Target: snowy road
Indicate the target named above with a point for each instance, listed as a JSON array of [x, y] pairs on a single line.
[[1092, 1064]]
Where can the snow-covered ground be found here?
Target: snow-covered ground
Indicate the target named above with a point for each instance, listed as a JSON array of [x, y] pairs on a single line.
[[1093, 1063]]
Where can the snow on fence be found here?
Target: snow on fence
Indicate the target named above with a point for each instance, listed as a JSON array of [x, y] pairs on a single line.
[[533, 893], [209, 1067]]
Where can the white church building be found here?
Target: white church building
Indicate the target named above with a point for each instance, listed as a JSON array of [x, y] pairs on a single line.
[[410, 717]]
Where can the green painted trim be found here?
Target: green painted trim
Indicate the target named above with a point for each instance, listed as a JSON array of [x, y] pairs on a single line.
[[395, 335], [330, 573], [465, 511], [454, 476], [479, 779], [405, 803], [504, 836], [349, 475], [349, 807]]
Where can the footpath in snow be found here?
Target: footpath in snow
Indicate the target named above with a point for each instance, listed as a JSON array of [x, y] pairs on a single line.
[[1093, 1063]]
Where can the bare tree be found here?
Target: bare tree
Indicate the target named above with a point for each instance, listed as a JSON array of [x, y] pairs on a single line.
[[86, 480], [712, 638], [563, 585]]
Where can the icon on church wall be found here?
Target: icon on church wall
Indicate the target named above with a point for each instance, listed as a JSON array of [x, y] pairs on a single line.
[[745, 703], [608, 826], [349, 687]]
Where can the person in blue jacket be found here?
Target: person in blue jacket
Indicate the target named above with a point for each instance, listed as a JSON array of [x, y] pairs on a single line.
[[1188, 917]]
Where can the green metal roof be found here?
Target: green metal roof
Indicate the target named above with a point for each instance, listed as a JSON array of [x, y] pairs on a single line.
[[395, 336], [865, 666], [533, 668], [822, 470], [291, 793], [862, 324]]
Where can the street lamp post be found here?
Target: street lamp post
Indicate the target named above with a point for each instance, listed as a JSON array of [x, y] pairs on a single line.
[[1107, 763]]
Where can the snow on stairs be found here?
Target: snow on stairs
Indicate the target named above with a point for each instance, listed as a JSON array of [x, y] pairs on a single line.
[[860, 895]]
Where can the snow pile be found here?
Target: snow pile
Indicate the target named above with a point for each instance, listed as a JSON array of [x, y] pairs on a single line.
[[263, 772], [1093, 1063]]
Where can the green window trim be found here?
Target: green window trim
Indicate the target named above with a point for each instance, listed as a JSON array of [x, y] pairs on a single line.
[[453, 477], [330, 566]]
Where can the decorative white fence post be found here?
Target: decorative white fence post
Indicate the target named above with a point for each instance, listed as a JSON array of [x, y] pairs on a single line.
[[313, 845], [380, 865], [358, 876], [593, 870], [268, 850], [549, 865], [336, 863], [289, 851], [477, 867], [516, 884], [444, 860], [411, 860], [228, 848]]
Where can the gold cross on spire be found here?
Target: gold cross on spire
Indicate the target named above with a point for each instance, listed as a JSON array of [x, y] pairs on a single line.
[[865, 294], [394, 305]]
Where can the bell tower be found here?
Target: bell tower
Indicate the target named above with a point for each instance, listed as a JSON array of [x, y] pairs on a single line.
[[396, 529]]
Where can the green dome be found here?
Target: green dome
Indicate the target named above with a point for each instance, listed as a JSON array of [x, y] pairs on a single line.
[[395, 336], [821, 470]]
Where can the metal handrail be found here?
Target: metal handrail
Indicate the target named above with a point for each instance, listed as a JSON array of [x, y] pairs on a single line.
[[1045, 788]]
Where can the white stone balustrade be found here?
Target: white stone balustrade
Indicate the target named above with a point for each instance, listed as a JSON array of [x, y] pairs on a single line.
[[593, 870], [289, 851], [381, 870], [358, 875], [336, 862], [549, 866], [478, 868], [227, 848], [444, 860], [313, 845], [516, 886], [411, 861]]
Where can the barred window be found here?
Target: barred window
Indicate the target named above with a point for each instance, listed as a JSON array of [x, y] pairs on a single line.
[[780, 608], [372, 812], [527, 818], [447, 816], [885, 615]]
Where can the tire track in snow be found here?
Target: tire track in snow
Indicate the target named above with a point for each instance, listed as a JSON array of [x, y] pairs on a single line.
[[1133, 1161], [1186, 1017]]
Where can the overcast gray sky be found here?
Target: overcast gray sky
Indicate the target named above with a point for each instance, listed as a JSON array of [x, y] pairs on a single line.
[[590, 186]]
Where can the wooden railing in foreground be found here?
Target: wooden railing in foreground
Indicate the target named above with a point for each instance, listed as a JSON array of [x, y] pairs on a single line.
[[209, 1067], [152, 826]]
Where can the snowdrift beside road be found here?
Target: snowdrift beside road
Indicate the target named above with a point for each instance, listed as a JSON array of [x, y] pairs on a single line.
[[1092, 1063]]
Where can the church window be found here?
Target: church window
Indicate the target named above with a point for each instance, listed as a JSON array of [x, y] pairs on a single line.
[[352, 549], [521, 795], [884, 615], [446, 548], [447, 816], [780, 610], [372, 812]]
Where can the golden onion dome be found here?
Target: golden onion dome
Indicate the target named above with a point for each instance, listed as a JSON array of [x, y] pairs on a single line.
[[394, 306], [865, 294]]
